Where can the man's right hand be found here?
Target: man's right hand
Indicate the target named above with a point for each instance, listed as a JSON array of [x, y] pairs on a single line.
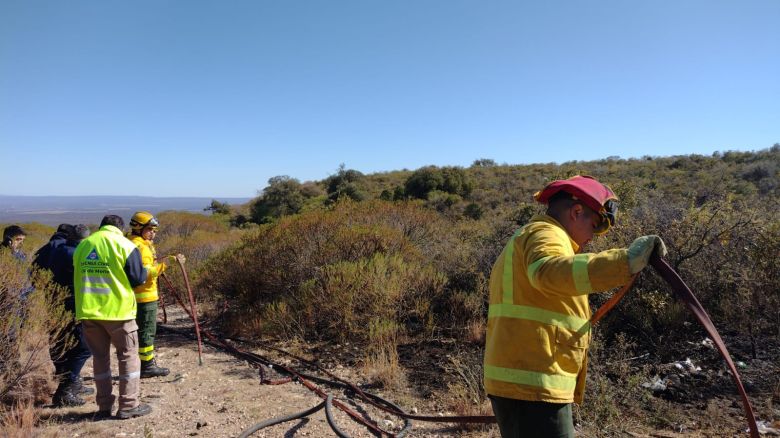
[[641, 249]]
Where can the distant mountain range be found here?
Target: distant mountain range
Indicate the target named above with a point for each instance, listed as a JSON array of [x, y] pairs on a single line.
[[54, 210]]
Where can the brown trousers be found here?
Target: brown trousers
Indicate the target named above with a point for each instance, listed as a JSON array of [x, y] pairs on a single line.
[[123, 335]]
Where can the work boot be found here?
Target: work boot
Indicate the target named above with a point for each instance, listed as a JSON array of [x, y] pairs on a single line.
[[101, 415], [83, 389], [66, 395], [149, 368], [140, 410]]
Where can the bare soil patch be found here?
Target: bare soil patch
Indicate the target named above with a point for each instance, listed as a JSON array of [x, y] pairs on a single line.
[[224, 396]]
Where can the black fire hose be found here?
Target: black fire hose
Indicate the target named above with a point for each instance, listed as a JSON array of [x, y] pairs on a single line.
[[256, 359], [331, 420], [283, 419]]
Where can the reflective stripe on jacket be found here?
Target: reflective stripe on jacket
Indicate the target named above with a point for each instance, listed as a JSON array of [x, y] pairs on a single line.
[[538, 331], [147, 292], [106, 267]]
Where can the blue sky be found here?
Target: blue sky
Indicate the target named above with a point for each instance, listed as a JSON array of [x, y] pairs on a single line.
[[197, 98]]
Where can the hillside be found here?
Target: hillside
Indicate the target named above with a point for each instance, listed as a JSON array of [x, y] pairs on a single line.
[[386, 275]]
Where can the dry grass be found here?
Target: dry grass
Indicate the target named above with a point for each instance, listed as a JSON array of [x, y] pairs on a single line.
[[25, 328], [465, 392], [18, 420], [381, 362], [475, 332]]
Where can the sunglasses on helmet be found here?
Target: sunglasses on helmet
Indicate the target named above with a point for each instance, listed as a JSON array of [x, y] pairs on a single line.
[[608, 216]]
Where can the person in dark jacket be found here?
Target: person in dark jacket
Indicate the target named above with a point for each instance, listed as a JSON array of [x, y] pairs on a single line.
[[69, 351], [43, 257]]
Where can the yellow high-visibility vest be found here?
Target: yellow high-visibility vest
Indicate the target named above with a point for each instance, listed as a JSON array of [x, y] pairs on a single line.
[[538, 331], [102, 289]]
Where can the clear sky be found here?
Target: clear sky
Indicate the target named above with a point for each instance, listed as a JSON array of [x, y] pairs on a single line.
[[212, 98]]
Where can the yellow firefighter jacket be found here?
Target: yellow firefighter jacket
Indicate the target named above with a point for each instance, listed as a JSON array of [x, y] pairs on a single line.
[[147, 292], [538, 330]]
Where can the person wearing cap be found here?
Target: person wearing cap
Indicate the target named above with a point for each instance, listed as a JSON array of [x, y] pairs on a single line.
[[538, 328], [106, 268], [143, 231]]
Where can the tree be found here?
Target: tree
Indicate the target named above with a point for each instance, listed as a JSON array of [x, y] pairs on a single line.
[[484, 162], [345, 183], [217, 207], [281, 197]]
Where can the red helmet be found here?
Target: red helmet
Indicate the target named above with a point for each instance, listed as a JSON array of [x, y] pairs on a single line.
[[599, 197]]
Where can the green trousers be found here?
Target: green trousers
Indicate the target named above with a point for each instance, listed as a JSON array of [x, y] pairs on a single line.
[[529, 419], [146, 318]]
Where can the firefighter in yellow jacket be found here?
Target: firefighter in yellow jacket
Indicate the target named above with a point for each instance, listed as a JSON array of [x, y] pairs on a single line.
[[143, 230], [538, 331]]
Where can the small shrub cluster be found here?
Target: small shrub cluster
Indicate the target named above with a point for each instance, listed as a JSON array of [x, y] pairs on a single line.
[[430, 179]]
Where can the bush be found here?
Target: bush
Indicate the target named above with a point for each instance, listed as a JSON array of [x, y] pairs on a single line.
[[328, 274], [196, 236], [473, 211], [451, 180], [423, 181], [25, 327]]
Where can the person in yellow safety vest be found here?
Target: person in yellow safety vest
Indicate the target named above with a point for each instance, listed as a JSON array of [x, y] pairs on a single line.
[[144, 227], [538, 330], [106, 268]]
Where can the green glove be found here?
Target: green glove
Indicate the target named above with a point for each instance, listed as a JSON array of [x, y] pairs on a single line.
[[641, 249]]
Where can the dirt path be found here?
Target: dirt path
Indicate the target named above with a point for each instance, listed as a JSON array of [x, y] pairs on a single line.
[[224, 397], [219, 399]]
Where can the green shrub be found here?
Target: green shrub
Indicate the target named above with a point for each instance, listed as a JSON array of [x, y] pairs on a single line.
[[449, 179], [473, 211], [345, 183], [331, 272], [283, 196], [423, 181]]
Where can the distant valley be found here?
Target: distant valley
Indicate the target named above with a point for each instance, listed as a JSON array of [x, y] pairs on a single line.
[[54, 210]]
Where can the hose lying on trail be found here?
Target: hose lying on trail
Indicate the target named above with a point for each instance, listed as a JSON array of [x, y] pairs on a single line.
[[664, 270], [258, 360], [282, 419]]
